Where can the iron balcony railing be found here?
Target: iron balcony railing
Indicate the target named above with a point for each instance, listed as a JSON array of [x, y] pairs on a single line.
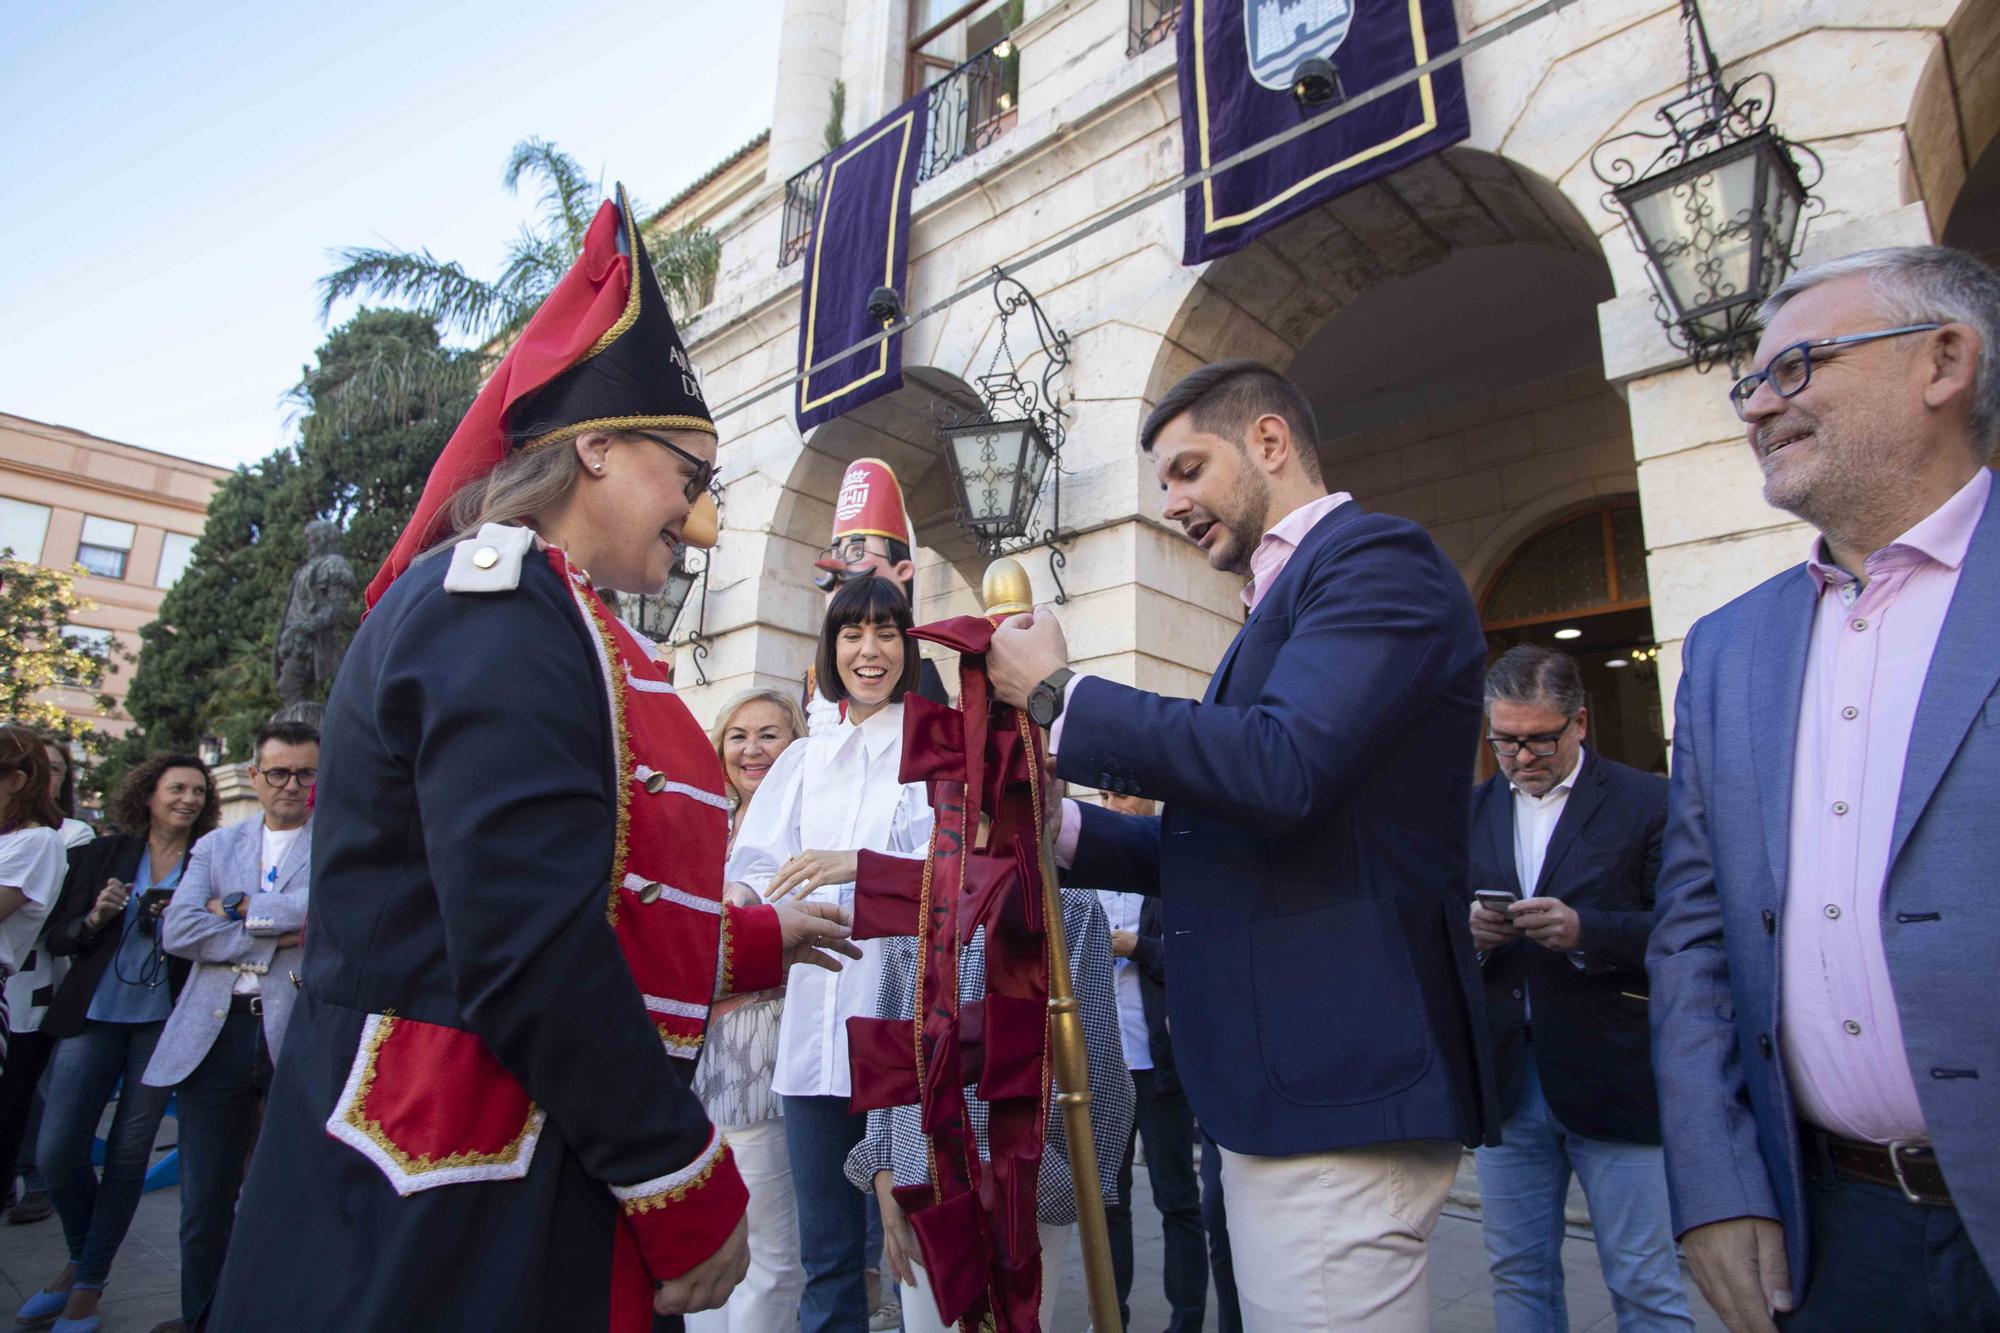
[[966, 110], [1152, 22]]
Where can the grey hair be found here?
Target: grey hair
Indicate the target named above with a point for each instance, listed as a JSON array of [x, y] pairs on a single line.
[[1924, 284], [1530, 674], [528, 483]]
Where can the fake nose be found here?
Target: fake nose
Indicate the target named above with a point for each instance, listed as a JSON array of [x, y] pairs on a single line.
[[703, 524]]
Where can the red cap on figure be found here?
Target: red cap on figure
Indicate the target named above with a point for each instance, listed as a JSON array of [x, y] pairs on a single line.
[[870, 503]]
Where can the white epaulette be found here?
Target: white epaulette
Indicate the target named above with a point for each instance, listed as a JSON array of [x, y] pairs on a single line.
[[489, 560]]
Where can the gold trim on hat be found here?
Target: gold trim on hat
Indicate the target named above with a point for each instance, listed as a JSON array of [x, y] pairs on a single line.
[[631, 312], [570, 432]]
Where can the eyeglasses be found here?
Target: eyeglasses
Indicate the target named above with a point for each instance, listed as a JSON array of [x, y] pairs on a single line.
[[283, 777], [1790, 369], [704, 472], [1541, 747]]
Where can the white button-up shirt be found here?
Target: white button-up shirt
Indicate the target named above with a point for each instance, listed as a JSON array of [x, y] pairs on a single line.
[[1535, 820], [1121, 910], [835, 791]]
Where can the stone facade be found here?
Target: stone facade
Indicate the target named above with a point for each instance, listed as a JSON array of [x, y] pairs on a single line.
[[1558, 388]]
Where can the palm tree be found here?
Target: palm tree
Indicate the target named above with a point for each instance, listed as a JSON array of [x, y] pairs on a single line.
[[685, 258]]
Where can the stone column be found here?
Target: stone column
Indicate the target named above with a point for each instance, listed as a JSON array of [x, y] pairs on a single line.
[[808, 63]]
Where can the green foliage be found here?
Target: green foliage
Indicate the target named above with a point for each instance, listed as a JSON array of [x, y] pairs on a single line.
[[36, 658], [536, 259], [836, 116]]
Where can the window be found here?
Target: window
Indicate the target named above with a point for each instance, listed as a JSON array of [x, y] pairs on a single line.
[[23, 527], [90, 639], [176, 550], [965, 55], [105, 547]]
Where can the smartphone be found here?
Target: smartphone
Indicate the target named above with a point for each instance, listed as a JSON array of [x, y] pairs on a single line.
[[1494, 900], [154, 901]]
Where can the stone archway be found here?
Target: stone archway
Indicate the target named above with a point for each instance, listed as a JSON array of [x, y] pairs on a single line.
[[1954, 131]]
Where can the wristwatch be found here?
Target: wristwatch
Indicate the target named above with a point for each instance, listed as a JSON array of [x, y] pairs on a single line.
[[232, 905], [1045, 701]]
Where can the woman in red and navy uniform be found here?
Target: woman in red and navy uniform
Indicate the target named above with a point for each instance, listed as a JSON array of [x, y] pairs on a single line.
[[482, 1116]]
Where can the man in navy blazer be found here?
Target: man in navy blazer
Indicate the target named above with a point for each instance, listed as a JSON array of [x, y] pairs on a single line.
[[1310, 858], [1573, 839], [1825, 1030]]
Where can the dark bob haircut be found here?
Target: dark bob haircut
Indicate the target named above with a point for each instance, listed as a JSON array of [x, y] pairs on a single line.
[[23, 751], [870, 601], [1224, 397], [130, 804]]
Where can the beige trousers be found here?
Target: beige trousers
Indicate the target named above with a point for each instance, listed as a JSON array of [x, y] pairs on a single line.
[[1337, 1240]]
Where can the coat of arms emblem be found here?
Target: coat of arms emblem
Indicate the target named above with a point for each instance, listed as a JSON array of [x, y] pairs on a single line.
[[1280, 34]]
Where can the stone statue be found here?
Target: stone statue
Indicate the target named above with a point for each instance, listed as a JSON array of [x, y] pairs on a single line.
[[309, 650]]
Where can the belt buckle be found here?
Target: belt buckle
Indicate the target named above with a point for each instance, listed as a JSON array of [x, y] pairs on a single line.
[[257, 1011], [1896, 1165]]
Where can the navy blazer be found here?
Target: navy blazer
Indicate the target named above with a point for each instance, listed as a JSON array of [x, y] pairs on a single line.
[[1731, 1125], [1311, 854], [1591, 1042]]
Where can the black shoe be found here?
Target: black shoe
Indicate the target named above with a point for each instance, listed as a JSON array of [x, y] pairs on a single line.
[[35, 1206]]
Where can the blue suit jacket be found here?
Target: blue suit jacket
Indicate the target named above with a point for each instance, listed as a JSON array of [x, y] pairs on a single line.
[[1731, 1127], [1311, 856]]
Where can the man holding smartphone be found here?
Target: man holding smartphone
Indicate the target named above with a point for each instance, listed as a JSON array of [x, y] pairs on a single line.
[[1565, 846]]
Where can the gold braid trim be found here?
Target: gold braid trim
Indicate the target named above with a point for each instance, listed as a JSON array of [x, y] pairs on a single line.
[[621, 740], [418, 1163], [728, 982], [570, 432], [654, 1202], [631, 311]]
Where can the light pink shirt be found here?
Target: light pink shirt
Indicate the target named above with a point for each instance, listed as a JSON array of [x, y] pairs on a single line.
[[1865, 667], [1267, 562]]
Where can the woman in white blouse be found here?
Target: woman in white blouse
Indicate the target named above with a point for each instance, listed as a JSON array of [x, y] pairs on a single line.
[[827, 797]]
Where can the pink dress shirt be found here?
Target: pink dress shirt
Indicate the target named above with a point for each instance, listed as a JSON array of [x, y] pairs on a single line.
[[1865, 667], [1267, 562]]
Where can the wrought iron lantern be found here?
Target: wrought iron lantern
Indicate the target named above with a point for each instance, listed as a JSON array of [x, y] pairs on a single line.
[[1003, 450], [1720, 210]]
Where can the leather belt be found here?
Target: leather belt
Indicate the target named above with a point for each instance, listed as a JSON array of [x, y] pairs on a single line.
[[1911, 1168], [246, 1004]]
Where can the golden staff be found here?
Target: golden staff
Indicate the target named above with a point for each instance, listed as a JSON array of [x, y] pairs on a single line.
[[1006, 592]]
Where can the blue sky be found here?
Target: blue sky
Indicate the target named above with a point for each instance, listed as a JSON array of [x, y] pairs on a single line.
[[176, 174]]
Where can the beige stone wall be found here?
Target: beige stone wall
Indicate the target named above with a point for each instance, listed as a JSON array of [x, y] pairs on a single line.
[[77, 475], [1097, 128]]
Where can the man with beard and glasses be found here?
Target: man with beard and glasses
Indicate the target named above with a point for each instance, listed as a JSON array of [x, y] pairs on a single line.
[[1310, 859], [1824, 1032]]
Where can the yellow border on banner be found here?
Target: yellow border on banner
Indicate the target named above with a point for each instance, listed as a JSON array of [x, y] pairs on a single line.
[[905, 122], [1419, 46]]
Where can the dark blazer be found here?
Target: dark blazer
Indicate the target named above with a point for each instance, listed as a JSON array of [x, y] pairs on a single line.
[[1150, 955], [1731, 1125], [1591, 1044], [1311, 854], [115, 856]]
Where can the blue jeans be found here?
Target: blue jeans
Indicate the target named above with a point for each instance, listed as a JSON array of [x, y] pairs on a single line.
[[833, 1218], [218, 1118], [96, 1213], [1522, 1184], [1880, 1261]]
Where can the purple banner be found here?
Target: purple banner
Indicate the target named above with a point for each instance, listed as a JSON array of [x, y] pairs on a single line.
[[1238, 59], [860, 242]]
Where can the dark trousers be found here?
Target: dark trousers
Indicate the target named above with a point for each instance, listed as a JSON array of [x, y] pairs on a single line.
[[1880, 1261], [218, 1116], [833, 1218], [1165, 1121], [96, 1212], [20, 1078], [1215, 1220]]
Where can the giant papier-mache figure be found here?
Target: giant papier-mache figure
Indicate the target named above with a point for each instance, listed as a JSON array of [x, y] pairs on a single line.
[[482, 1118]]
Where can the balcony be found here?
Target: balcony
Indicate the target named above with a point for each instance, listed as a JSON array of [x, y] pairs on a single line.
[[966, 110], [1152, 22]]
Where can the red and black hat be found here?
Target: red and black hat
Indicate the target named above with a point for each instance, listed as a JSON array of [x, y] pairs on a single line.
[[600, 354]]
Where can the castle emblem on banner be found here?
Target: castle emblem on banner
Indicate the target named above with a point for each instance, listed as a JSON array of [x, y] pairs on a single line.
[[1280, 34], [853, 498]]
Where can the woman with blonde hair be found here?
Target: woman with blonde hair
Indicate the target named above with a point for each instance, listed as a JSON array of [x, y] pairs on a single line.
[[733, 1077]]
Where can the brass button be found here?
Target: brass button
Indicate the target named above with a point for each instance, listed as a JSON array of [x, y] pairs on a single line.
[[1832, 912], [1853, 1028], [656, 783], [651, 893], [485, 558]]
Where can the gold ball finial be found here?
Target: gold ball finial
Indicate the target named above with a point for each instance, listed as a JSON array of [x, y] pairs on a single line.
[[1005, 589]]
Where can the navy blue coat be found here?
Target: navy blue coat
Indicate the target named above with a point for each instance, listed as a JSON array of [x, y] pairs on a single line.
[[1592, 1045], [1731, 1125], [1311, 855]]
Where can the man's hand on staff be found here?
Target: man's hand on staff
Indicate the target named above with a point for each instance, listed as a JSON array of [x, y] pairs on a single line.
[[707, 1285], [811, 870], [1026, 650], [814, 932]]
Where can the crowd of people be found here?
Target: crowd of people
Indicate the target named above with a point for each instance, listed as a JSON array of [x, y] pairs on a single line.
[[569, 1045]]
